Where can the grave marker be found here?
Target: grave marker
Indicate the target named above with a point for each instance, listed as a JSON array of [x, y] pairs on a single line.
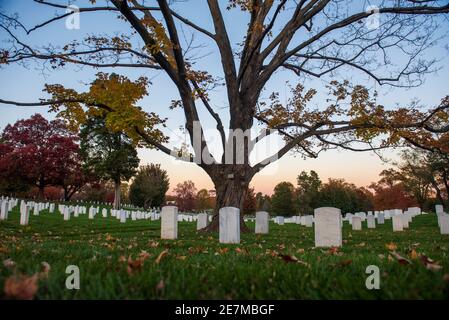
[[328, 227], [229, 228]]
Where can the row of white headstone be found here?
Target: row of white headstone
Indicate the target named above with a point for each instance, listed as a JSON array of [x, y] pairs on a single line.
[[7, 205], [68, 211], [328, 223]]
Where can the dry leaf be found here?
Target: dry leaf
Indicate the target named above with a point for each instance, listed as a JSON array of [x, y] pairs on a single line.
[[345, 263], [161, 256], [300, 250], [430, 264], [414, 254], [45, 269], [144, 255], [333, 250], [161, 285], [391, 246], [9, 263], [154, 244], [223, 250], [291, 258], [288, 258], [182, 258], [134, 265], [399, 258], [21, 287]]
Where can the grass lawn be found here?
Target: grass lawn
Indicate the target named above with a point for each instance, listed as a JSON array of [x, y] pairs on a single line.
[[124, 261]]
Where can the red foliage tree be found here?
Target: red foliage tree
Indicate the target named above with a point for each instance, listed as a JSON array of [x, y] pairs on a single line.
[[390, 194], [185, 195], [41, 153]]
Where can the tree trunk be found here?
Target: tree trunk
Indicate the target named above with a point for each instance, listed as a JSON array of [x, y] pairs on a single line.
[[41, 186], [66, 194], [231, 185], [41, 194], [117, 195]]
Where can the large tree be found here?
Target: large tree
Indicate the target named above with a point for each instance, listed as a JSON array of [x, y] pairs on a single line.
[[310, 38], [108, 154], [40, 153], [282, 200], [149, 186], [307, 192]]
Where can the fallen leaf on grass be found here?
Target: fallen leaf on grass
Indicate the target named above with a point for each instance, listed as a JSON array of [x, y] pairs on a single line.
[[400, 258], [134, 265], [9, 263], [109, 237], [430, 264], [242, 251], [45, 270], [413, 254], [361, 244], [161, 285], [154, 244], [161, 256], [345, 263], [333, 250], [182, 258], [300, 250], [223, 250], [144, 255], [391, 246], [291, 258], [21, 287]]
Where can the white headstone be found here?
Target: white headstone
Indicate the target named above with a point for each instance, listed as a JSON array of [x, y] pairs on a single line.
[[356, 223], [405, 220], [380, 218], [262, 219], [397, 223], [444, 223], [371, 221], [122, 216], [66, 213], [308, 221], [328, 227], [280, 220], [229, 225], [169, 222], [201, 222], [439, 209], [24, 214], [4, 210]]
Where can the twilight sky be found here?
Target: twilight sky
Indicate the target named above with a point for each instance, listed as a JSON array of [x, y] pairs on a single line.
[[25, 83]]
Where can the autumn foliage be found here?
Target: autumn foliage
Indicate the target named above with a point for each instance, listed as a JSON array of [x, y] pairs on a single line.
[[40, 153]]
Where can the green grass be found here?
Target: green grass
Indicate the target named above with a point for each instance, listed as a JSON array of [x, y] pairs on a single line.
[[198, 267]]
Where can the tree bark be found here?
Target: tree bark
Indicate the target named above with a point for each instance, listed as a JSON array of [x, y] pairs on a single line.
[[117, 202], [231, 185]]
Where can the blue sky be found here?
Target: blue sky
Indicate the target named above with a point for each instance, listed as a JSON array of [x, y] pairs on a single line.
[[26, 84]]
